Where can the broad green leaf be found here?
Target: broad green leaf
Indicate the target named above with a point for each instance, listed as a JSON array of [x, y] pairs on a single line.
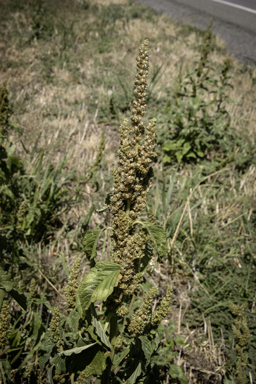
[[73, 319], [158, 237], [179, 156], [49, 375], [100, 332], [173, 145], [177, 373], [120, 356], [44, 350], [11, 287], [14, 338], [146, 347], [98, 363], [166, 159], [155, 342], [191, 154], [5, 281], [99, 283], [76, 350], [36, 323], [200, 153], [90, 242], [59, 362], [13, 163], [148, 254], [133, 377], [186, 147], [169, 146], [179, 340], [194, 105], [8, 193]]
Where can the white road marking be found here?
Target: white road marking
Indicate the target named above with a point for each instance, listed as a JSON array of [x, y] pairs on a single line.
[[235, 6]]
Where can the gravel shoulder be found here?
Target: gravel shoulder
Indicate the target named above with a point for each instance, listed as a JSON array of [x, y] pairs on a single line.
[[240, 42]]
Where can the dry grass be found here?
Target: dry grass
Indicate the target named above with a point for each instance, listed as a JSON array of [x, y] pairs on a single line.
[[59, 109]]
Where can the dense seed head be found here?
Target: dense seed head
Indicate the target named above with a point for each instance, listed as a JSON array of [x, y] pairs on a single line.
[[132, 180]]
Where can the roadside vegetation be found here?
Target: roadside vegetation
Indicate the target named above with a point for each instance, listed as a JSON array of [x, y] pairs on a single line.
[[127, 213]]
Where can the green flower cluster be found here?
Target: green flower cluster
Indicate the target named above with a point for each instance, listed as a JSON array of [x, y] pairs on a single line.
[[71, 289], [143, 315], [132, 180], [163, 309], [55, 328]]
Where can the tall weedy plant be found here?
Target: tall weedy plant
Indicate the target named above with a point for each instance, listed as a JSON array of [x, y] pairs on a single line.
[[114, 300], [110, 333], [126, 331]]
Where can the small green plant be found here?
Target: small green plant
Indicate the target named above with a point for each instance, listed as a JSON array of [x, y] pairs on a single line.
[[199, 123]]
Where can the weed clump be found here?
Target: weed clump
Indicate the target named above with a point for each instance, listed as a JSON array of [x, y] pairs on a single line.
[[199, 125], [122, 335]]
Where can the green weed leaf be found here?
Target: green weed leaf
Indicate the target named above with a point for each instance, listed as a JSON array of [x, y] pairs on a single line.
[[11, 287], [136, 373], [90, 242], [100, 332], [99, 283], [179, 340], [13, 163], [176, 373], [59, 363], [76, 350], [158, 237], [98, 363], [120, 356], [147, 348]]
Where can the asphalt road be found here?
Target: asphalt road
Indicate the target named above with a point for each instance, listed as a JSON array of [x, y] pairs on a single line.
[[233, 20], [251, 4]]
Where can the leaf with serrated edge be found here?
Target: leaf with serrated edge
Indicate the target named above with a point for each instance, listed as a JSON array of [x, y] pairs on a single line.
[[158, 236], [100, 332], [120, 356], [90, 242], [133, 377], [99, 283], [146, 347]]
